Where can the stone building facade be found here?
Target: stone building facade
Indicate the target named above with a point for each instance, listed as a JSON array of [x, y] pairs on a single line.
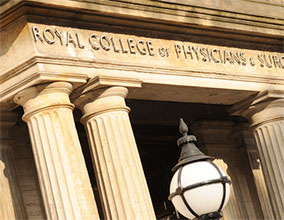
[[71, 71]]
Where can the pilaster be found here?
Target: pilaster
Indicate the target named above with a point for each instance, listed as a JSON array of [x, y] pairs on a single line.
[[63, 178], [11, 201], [260, 183], [119, 171]]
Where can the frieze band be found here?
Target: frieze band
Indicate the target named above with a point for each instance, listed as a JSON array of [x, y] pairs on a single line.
[[181, 51]]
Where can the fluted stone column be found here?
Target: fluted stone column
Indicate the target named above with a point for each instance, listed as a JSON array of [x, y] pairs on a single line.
[[266, 115], [121, 179], [62, 172], [11, 201]]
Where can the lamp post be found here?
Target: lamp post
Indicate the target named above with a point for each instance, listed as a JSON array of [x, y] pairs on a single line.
[[199, 189]]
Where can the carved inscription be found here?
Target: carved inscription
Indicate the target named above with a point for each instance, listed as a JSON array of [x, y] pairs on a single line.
[[180, 51], [95, 41], [220, 56]]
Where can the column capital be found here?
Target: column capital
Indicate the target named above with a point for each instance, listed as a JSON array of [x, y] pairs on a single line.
[[264, 107], [107, 81], [38, 98], [102, 94], [102, 82]]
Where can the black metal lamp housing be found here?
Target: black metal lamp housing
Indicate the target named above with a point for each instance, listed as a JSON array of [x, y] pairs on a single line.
[[199, 188]]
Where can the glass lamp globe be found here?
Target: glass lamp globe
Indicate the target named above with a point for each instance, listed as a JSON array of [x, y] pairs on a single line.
[[204, 189], [199, 189]]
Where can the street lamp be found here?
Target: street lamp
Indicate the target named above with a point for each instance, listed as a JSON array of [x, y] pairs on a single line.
[[199, 189]]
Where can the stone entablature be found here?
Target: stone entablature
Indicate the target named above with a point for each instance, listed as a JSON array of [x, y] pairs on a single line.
[[41, 43], [41, 53]]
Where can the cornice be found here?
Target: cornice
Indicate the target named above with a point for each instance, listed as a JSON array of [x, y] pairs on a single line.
[[247, 17], [133, 67], [11, 83]]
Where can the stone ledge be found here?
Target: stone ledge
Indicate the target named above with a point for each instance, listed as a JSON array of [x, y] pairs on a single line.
[[247, 16]]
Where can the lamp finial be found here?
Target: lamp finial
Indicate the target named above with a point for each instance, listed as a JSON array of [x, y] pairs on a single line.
[[183, 129], [189, 153]]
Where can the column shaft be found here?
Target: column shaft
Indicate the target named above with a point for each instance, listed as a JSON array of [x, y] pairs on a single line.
[[63, 177], [121, 179], [270, 142], [266, 115]]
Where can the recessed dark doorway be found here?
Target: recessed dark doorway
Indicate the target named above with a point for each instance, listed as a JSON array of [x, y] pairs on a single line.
[[155, 126]]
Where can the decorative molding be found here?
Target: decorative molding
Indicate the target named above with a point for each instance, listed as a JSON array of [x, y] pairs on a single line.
[[245, 14], [98, 88], [103, 100], [44, 97], [8, 88], [122, 66], [109, 81]]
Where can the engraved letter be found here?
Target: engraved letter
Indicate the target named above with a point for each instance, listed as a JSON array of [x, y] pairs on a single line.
[[131, 46], [227, 57], [280, 61], [203, 53], [36, 34], [69, 39], [142, 51], [115, 49], [220, 55], [48, 40], [260, 58], [235, 56], [187, 52], [276, 61], [178, 50], [195, 50], [150, 48], [268, 64], [122, 47], [214, 50], [103, 45], [244, 60], [93, 44], [208, 54], [59, 35], [78, 42]]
